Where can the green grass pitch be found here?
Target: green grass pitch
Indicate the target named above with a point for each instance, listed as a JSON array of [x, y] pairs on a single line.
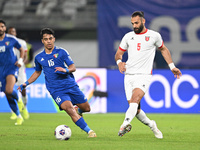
[[181, 132]]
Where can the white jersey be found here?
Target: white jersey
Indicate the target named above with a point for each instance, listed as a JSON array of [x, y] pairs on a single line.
[[24, 46], [22, 74], [141, 50]]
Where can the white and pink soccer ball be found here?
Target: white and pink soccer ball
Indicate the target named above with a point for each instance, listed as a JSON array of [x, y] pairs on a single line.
[[62, 132]]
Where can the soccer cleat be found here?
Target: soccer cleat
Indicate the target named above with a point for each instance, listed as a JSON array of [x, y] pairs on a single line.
[[25, 113], [20, 104], [13, 116], [158, 134], [76, 108], [124, 129], [19, 121], [92, 134]]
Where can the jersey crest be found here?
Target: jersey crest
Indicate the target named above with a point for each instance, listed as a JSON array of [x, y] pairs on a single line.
[[55, 55], [7, 43], [147, 38]]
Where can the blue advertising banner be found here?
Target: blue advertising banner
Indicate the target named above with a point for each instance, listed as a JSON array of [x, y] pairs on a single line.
[[166, 94], [177, 21]]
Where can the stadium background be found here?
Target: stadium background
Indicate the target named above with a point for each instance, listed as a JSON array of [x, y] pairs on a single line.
[[91, 30]]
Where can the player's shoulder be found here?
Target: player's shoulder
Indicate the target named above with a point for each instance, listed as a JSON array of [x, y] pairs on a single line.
[[61, 50], [21, 41], [152, 32], [10, 37], [40, 54]]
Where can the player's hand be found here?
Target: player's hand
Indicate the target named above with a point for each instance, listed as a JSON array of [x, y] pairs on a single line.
[[17, 64], [21, 87], [177, 73], [122, 67], [60, 69]]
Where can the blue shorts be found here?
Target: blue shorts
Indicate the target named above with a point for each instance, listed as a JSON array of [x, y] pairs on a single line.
[[5, 71], [74, 94]]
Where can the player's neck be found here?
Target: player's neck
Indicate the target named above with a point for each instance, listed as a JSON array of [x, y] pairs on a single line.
[[47, 51], [143, 31]]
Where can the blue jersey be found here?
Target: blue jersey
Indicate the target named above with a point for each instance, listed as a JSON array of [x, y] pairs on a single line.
[[8, 58], [55, 81], [7, 55]]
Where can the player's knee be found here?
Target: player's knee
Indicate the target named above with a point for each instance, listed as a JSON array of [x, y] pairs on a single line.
[[87, 109], [69, 110], [8, 93]]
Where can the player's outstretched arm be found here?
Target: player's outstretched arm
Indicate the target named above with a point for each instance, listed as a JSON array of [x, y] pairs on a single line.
[[33, 77], [167, 56]]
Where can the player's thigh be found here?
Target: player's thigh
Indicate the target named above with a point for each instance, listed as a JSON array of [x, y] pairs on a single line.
[[70, 110], [10, 82], [68, 107], [137, 95], [136, 86]]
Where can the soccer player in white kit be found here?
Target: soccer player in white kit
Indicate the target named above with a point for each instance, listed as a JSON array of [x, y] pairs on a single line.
[[141, 47], [22, 74]]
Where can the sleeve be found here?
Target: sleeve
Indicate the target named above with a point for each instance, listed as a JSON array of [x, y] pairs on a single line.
[[17, 44], [123, 45], [159, 40], [68, 60], [37, 65], [24, 46]]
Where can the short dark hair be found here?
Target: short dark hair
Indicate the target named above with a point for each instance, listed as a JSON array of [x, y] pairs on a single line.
[[46, 31], [138, 13], [1, 21]]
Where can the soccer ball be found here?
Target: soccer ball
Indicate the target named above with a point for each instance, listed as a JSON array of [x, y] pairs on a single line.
[[62, 132]]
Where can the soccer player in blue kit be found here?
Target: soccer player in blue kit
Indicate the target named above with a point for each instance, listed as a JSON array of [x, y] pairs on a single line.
[[58, 66], [9, 66]]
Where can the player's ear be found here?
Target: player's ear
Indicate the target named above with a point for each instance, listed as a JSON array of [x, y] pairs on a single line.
[[143, 20]]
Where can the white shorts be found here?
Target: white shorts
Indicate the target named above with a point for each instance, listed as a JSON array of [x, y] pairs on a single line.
[[136, 81], [21, 76]]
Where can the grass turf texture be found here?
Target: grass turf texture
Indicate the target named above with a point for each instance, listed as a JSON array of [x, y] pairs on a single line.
[[181, 131]]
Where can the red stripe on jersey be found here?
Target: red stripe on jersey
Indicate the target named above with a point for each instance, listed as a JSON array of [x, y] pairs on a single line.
[[161, 45], [142, 32], [122, 49]]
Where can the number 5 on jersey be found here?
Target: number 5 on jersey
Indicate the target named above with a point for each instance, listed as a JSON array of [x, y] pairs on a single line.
[[138, 46]]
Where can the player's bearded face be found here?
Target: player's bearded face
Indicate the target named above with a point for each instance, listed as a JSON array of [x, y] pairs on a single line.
[[2, 29], [139, 29]]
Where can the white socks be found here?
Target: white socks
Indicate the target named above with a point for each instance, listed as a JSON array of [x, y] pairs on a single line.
[[144, 119], [130, 113], [24, 99]]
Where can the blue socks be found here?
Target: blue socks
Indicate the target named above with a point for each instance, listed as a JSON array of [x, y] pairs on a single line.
[[15, 95], [12, 101], [13, 105], [83, 125]]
